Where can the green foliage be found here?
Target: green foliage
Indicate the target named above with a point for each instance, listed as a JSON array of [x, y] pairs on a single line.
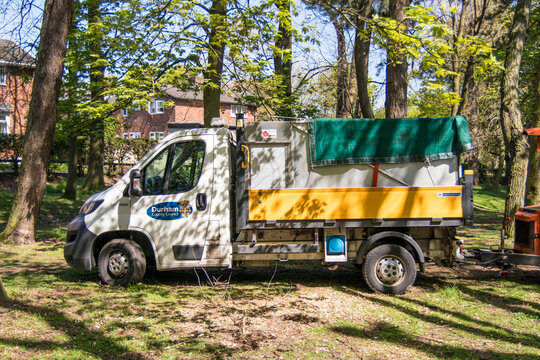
[[120, 151], [433, 44], [530, 56], [427, 102], [11, 147]]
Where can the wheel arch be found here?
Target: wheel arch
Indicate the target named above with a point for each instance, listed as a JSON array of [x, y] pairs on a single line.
[[390, 237], [140, 238]]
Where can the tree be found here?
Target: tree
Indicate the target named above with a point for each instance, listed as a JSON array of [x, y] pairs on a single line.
[[3, 293], [530, 100], [533, 174], [94, 178], [397, 65], [214, 69], [510, 116], [361, 59], [283, 58], [20, 227], [117, 52], [338, 13]]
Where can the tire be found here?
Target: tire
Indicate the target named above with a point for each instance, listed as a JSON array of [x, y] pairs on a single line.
[[121, 262], [389, 269]]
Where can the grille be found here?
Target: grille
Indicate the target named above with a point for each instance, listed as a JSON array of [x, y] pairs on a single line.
[[524, 233]]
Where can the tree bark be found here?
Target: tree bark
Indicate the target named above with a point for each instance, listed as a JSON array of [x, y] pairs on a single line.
[[396, 69], [533, 175], [343, 104], [214, 69], [283, 59], [500, 170], [71, 185], [456, 79], [3, 293], [22, 220], [361, 60], [94, 179], [510, 117], [70, 192]]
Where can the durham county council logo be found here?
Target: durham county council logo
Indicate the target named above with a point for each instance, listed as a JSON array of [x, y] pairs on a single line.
[[170, 210]]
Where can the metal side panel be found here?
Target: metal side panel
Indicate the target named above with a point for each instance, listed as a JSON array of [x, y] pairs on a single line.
[[357, 223], [436, 202]]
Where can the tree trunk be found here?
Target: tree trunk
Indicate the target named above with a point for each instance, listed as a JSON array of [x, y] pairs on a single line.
[[71, 185], [70, 191], [94, 179], [456, 79], [343, 105], [3, 293], [214, 68], [500, 170], [283, 59], [22, 220], [464, 89], [516, 144], [361, 61], [396, 69], [533, 178]]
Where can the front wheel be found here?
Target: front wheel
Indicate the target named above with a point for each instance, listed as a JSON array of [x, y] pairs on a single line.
[[389, 269], [121, 262]]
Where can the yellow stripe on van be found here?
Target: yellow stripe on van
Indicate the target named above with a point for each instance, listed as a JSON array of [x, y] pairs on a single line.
[[356, 203]]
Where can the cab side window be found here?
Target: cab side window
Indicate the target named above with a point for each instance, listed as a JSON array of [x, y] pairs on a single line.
[[154, 174], [176, 169], [186, 166]]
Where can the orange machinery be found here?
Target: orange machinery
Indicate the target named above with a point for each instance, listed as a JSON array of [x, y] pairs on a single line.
[[527, 227]]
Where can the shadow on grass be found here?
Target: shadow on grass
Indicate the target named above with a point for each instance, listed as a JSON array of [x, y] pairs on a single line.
[[505, 302], [285, 279], [95, 342], [386, 332], [443, 317], [88, 340]]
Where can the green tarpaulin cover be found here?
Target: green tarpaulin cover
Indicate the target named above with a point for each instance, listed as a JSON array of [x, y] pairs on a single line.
[[370, 141]]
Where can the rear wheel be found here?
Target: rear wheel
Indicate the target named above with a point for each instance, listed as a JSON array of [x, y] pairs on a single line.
[[389, 269], [121, 262]]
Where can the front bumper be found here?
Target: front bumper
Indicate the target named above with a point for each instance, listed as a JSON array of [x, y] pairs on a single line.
[[79, 244]]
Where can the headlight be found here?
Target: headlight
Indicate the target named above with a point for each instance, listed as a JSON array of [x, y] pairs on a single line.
[[88, 207]]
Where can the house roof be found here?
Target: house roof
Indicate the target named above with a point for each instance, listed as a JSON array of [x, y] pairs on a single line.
[[177, 93], [13, 54]]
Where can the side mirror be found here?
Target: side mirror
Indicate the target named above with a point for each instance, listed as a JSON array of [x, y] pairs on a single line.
[[135, 187]]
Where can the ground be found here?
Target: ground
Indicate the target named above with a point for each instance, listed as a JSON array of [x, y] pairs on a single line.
[[287, 311]]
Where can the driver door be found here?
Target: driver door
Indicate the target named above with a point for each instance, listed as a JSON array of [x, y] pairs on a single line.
[[174, 209]]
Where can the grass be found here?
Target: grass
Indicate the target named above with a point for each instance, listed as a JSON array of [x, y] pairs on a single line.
[[488, 217], [57, 312]]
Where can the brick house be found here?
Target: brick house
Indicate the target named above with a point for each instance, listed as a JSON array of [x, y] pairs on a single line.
[[16, 76], [158, 119]]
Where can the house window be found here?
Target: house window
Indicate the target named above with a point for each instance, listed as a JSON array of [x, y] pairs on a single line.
[[135, 135], [156, 107], [125, 112], [157, 135], [238, 109], [3, 74], [136, 107], [125, 135], [4, 124]]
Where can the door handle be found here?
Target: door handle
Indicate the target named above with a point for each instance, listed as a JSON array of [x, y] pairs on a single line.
[[200, 201], [245, 150]]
